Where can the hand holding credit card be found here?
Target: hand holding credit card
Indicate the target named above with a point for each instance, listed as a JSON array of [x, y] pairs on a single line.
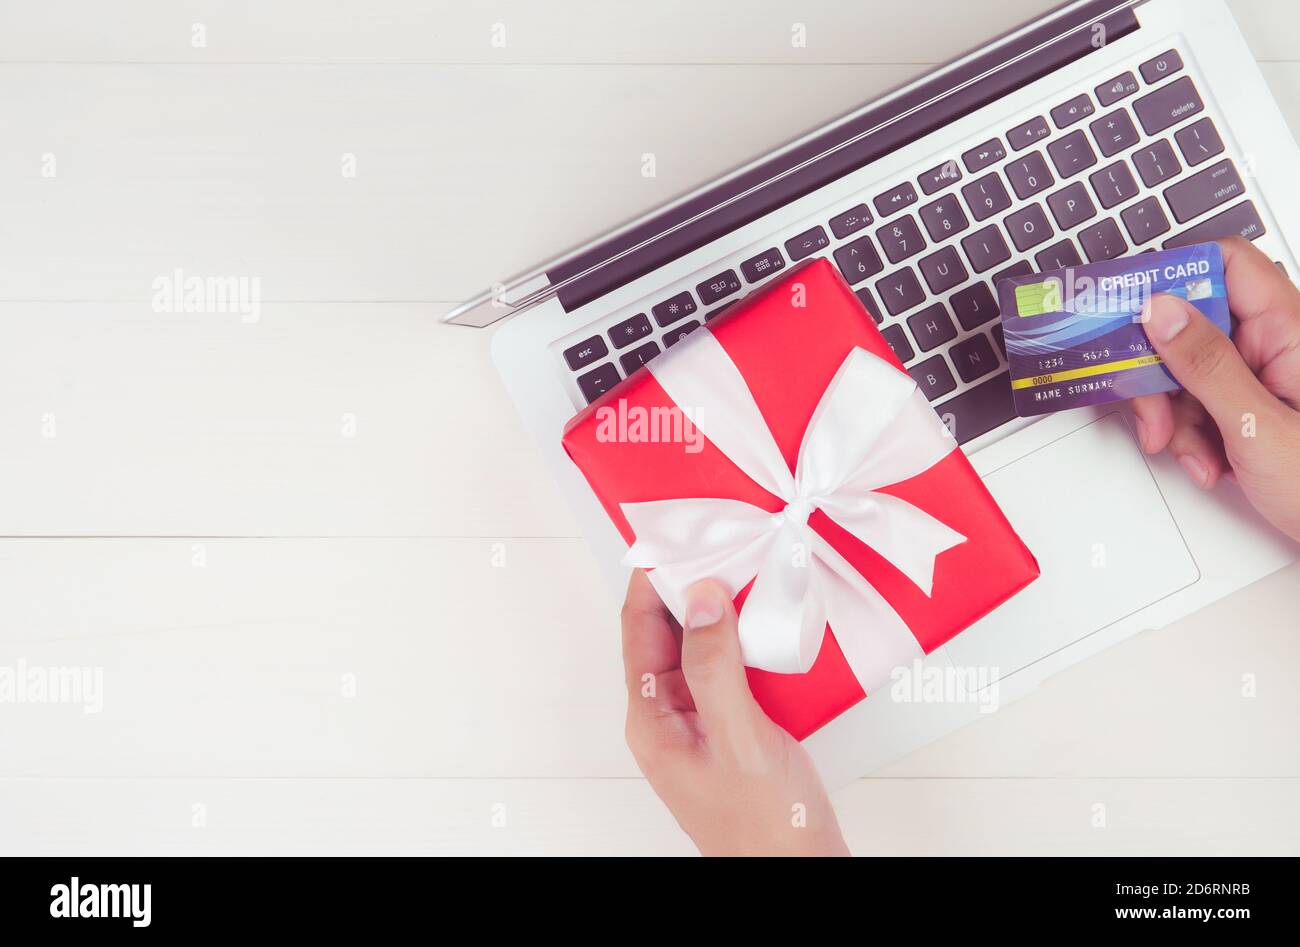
[[1074, 337]]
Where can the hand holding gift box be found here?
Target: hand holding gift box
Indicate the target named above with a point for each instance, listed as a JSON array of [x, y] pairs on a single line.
[[826, 490]]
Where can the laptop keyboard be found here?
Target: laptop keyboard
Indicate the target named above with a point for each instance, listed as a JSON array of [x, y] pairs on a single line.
[[1126, 167]]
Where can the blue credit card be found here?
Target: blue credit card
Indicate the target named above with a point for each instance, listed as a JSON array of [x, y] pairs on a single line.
[[1075, 337]]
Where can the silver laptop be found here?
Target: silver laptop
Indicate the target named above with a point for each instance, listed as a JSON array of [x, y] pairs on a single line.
[[1100, 129]]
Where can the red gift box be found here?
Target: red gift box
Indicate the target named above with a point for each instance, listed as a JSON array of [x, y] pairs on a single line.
[[788, 341]]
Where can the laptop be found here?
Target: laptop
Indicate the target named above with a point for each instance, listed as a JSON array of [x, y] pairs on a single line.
[[1100, 129]]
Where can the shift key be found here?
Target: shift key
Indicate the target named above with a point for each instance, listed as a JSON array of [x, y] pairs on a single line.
[[1168, 105], [1216, 185]]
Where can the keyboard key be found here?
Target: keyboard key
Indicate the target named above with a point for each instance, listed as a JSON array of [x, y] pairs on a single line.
[[765, 264], [1156, 163], [897, 340], [931, 327], [986, 197], [1072, 154], [1028, 227], [1058, 256], [1240, 221], [1072, 112], [636, 328], [858, 260], [974, 305], [981, 156], [869, 303], [1072, 206], [1102, 241], [806, 244], [1166, 64], [1029, 175], [586, 352], [1114, 133], [986, 249], [944, 218], [933, 377], [638, 357], [1114, 184], [596, 383], [1121, 87], [936, 179], [1145, 221], [709, 317], [670, 310], [999, 339], [1168, 105], [851, 221], [979, 410], [673, 336], [901, 239], [1204, 190], [1022, 136], [711, 290], [900, 291], [943, 270], [895, 199], [1199, 142], [1019, 268], [973, 357]]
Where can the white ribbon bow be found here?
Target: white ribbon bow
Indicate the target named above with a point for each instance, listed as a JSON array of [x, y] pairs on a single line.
[[872, 428]]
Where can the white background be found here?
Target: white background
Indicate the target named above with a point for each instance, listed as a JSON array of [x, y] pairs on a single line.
[[200, 527]]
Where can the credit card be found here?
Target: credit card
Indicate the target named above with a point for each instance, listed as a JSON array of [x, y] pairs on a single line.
[[1075, 337]]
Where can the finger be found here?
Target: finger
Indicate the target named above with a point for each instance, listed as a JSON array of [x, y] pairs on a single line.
[[1155, 421], [650, 644], [712, 664], [1256, 287], [1196, 444], [1267, 306], [1206, 363]]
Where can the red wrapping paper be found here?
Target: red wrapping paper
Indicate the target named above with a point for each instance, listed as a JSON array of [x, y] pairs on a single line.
[[788, 354]]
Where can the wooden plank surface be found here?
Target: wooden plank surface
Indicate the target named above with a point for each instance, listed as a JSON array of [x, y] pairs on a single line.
[[622, 816], [477, 658], [329, 651]]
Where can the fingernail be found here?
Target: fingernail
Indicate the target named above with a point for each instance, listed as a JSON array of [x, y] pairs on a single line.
[[1142, 435], [1195, 469], [704, 605], [1165, 317]]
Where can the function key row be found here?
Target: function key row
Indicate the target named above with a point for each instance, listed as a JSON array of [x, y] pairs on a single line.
[[718, 287], [895, 199], [981, 156], [1072, 112], [668, 311], [936, 179], [1162, 66], [806, 244], [1117, 89]]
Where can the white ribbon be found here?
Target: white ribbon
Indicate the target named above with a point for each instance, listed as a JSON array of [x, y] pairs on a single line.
[[872, 428]]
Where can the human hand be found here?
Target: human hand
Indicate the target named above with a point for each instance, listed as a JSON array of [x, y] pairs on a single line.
[[736, 782], [1238, 415]]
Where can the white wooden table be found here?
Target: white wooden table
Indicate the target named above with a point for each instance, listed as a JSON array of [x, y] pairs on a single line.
[[337, 604]]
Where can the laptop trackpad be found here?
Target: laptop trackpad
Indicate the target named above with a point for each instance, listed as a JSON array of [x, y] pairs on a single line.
[[1088, 508]]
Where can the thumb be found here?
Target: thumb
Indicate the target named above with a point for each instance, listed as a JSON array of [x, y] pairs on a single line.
[[711, 661], [1205, 362]]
